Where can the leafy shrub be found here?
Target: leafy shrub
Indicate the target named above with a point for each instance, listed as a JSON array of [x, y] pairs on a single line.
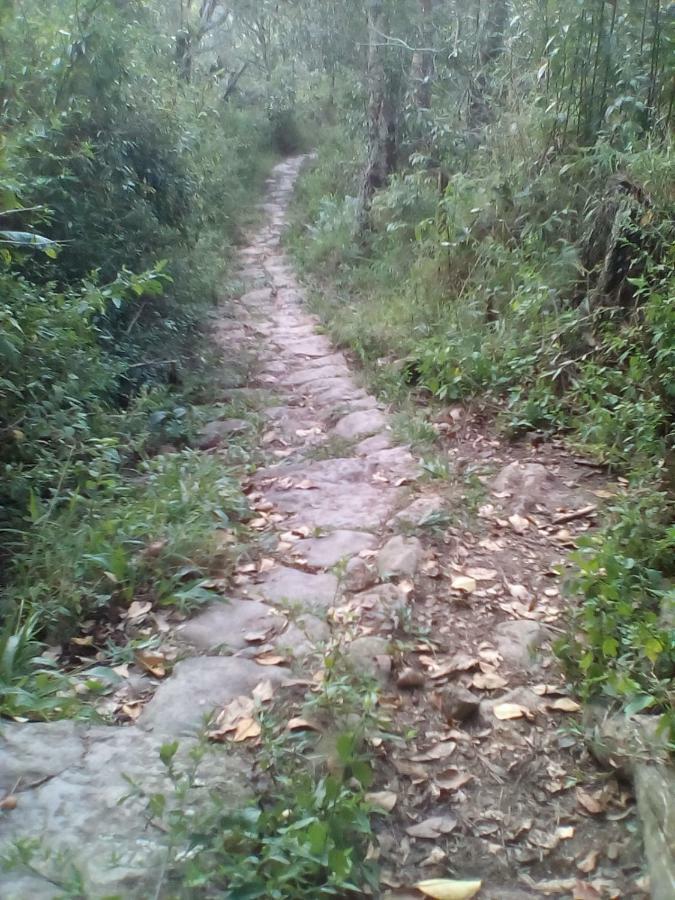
[[621, 642], [155, 536]]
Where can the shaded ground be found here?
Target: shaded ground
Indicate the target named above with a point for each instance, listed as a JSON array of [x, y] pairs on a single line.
[[446, 592]]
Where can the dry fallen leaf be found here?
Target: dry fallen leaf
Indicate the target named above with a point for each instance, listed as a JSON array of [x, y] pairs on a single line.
[[584, 891], [478, 573], [591, 804], [264, 691], [385, 800], [449, 889], [435, 856], [464, 584], [511, 711], [133, 709], [564, 704], [488, 681], [432, 827], [137, 609], [452, 779], [589, 862], [519, 592], [246, 729], [9, 802], [518, 523], [270, 659], [155, 663], [438, 751], [300, 724]]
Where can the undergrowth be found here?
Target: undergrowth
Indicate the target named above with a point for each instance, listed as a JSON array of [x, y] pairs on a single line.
[[489, 293]]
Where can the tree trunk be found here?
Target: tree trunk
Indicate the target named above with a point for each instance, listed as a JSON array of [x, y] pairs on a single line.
[[184, 54], [422, 68], [381, 116], [490, 48]]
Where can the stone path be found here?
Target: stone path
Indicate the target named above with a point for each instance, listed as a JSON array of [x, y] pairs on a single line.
[[68, 777], [336, 496]]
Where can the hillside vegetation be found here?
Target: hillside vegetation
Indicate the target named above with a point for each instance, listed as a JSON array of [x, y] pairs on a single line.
[[127, 172], [493, 215]]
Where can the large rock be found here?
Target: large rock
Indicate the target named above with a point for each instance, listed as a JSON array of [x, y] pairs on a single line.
[[359, 575], [518, 640], [360, 423], [214, 433], [343, 496], [314, 373], [399, 558], [224, 626], [290, 587], [421, 511], [73, 785], [381, 606], [522, 478], [370, 656], [655, 789], [328, 550], [198, 686]]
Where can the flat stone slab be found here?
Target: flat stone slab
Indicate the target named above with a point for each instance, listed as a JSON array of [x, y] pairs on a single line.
[[316, 346], [374, 444], [72, 779], [326, 551], [287, 587], [396, 462], [198, 686], [360, 423], [365, 507], [315, 373], [226, 625], [256, 296], [334, 390]]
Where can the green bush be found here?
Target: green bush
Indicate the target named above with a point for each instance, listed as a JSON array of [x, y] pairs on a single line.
[[622, 641]]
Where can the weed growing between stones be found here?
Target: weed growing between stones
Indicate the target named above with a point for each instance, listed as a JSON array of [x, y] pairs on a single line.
[[306, 830]]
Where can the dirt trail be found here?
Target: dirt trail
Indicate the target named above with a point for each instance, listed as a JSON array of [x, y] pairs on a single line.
[[447, 599]]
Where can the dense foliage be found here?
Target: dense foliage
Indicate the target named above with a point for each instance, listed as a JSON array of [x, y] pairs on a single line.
[[495, 208], [123, 185]]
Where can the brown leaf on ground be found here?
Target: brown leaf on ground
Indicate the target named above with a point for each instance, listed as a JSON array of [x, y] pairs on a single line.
[[505, 711], [448, 888], [589, 862], [438, 751], [264, 691], [385, 800], [413, 770], [452, 779], [564, 704], [270, 659], [410, 679], [478, 573], [488, 681], [152, 662], [138, 609], [433, 827], [246, 729], [132, 710], [593, 804], [584, 891], [300, 724], [518, 523], [463, 584]]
